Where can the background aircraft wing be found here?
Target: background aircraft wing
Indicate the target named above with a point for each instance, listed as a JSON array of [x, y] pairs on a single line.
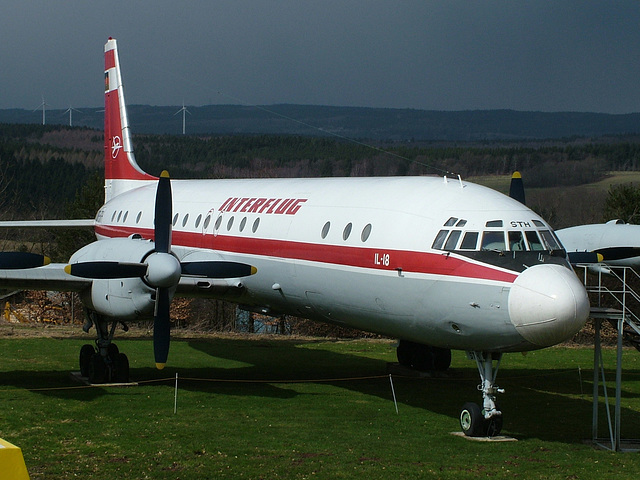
[[47, 223]]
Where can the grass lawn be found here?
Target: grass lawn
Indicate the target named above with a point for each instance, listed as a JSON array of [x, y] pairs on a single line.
[[264, 408]]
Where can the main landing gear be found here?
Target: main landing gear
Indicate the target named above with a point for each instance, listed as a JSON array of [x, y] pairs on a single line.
[[103, 363], [485, 421], [423, 357]]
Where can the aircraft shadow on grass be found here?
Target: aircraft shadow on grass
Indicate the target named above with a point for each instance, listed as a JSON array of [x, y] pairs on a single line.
[[535, 399]]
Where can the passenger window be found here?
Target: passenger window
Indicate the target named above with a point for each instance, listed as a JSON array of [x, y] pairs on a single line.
[[493, 241], [451, 222], [198, 220], [534, 241], [470, 241], [366, 231], [439, 241], [185, 220], [452, 241], [516, 241], [325, 230], [347, 231]]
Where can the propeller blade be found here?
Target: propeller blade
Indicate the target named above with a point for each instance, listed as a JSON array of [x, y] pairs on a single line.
[[516, 189], [20, 260], [161, 328], [163, 212], [214, 269], [106, 270], [584, 257]]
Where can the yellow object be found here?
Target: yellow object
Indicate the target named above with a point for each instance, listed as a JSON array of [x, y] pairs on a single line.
[[13, 467]]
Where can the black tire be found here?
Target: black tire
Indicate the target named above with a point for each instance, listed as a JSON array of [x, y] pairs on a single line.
[[441, 358], [404, 352], [472, 421], [112, 351], [122, 368], [98, 370], [86, 352]]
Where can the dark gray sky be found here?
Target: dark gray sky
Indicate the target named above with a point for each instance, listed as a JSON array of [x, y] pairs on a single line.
[[442, 55]]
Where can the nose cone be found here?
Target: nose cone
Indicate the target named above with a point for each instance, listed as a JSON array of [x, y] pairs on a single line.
[[548, 304]]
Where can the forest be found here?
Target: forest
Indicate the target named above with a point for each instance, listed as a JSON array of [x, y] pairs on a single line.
[[42, 168]]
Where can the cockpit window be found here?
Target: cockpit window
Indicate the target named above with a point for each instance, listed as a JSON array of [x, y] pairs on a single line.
[[494, 223], [550, 240], [452, 241], [538, 223], [439, 241], [534, 241], [451, 222], [493, 241], [461, 223], [470, 241], [516, 241]]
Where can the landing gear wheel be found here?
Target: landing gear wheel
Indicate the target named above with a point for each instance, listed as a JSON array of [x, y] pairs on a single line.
[[441, 358], [472, 421], [113, 351], [86, 352], [122, 368], [97, 370], [404, 352]]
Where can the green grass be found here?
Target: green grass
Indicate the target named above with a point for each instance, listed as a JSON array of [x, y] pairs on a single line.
[[271, 426]]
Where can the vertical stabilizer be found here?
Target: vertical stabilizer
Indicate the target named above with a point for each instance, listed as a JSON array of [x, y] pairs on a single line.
[[121, 172]]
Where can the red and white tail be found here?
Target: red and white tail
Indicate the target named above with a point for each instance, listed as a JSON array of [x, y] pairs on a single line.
[[121, 172]]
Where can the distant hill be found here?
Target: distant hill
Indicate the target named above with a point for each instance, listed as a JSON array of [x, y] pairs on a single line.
[[381, 124]]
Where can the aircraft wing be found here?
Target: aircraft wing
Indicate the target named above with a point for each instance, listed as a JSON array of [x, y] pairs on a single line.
[[48, 223], [49, 277]]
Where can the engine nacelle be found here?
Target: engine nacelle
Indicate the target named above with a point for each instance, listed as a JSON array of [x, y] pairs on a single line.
[[126, 298]]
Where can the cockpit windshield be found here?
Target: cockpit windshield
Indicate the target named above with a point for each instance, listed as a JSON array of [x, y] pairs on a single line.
[[519, 236]]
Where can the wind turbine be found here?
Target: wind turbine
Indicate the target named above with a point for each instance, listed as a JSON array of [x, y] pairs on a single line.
[[70, 110], [44, 106], [184, 116]]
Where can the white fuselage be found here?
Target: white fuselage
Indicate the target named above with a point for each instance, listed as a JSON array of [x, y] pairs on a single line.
[[360, 252]]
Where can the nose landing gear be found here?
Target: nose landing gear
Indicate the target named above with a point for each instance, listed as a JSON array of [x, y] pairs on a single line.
[[485, 421]]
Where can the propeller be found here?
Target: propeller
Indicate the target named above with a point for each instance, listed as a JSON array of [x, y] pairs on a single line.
[[19, 260], [161, 269], [516, 191]]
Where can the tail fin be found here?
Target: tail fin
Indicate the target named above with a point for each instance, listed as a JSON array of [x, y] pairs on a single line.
[[121, 172]]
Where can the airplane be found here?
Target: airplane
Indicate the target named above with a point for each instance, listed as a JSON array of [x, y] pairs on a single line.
[[617, 243], [435, 262]]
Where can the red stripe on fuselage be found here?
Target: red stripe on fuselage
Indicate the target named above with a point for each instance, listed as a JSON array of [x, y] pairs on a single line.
[[375, 258]]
